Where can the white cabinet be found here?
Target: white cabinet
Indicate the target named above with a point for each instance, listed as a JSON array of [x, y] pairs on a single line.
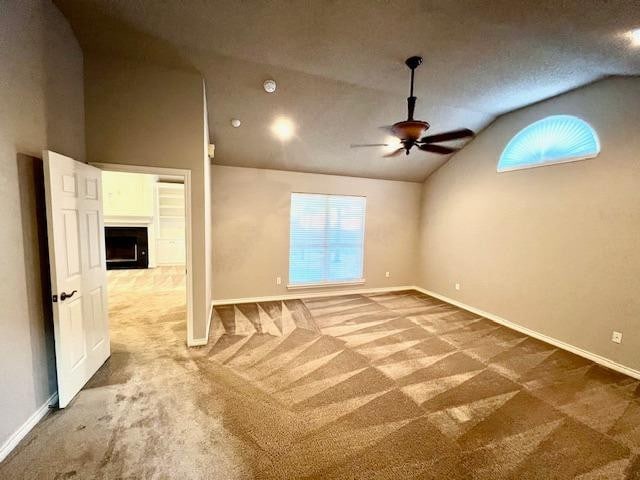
[[170, 241], [170, 252]]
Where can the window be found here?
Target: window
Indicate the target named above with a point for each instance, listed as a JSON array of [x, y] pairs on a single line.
[[555, 139], [326, 242]]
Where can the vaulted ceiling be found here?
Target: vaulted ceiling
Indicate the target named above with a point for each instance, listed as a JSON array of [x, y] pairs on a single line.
[[340, 71]]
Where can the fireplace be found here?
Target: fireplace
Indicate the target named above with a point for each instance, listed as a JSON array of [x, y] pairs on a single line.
[[127, 247]]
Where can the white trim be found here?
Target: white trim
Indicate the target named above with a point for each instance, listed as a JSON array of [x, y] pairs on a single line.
[[186, 174], [545, 164], [13, 441], [605, 362], [330, 293], [206, 337], [127, 219], [297, 286], [198, 342]]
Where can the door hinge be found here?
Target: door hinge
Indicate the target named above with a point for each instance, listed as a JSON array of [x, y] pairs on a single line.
[[54, 298]]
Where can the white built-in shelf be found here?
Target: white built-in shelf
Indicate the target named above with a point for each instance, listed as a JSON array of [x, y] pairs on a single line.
[[171, 224]]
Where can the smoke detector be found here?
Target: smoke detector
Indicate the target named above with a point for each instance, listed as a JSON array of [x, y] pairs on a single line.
[[269, 86], [235, 123]]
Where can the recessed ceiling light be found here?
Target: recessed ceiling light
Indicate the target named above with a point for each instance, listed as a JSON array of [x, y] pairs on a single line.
[[269, 86], [283, 128], [235, 123], [634, 36]]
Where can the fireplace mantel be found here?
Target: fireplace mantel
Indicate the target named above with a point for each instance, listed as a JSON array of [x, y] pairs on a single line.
[[121, 220]]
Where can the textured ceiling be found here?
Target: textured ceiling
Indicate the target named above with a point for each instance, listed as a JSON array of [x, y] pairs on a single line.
[[340, 72]]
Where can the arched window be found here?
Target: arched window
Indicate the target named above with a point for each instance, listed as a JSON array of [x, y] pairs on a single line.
[[554, 139]]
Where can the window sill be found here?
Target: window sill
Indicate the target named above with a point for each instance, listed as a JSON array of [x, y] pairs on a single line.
[[299, 286]]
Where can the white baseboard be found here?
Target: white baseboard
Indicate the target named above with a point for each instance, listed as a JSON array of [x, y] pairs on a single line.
[[299, 295], [605, 362], [26, 427]]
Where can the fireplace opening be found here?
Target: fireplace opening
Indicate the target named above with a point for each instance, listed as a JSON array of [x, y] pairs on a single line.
[[126, 247]]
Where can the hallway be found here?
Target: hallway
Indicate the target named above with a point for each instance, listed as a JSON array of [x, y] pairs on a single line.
[[144, 408]]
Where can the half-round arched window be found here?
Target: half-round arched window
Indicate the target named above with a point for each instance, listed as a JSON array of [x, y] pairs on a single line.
[[554, 139]]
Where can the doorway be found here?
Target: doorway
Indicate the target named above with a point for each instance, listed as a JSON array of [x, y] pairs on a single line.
[[147, 217]]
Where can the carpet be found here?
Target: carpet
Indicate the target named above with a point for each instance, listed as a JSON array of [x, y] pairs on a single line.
[[379, 386], [402, 385]]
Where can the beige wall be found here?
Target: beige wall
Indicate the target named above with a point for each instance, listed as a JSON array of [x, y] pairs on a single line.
[[556, 248], [251, 228], [143, 114], [41, 107]]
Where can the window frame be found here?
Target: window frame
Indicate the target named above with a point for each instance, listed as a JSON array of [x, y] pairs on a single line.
[[329, 283]]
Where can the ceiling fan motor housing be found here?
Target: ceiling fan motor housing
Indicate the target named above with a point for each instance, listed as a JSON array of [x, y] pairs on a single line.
[[409, 129]]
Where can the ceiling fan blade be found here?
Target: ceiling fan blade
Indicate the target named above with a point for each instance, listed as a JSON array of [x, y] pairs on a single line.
[[394, 153], [358, 145], [388, 129], [446, 136], [427, 147]]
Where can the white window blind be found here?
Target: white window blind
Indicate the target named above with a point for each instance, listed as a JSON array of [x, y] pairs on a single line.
[[326, 243]]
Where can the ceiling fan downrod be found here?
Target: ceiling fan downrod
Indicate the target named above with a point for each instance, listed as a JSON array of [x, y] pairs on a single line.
[[412, 63]]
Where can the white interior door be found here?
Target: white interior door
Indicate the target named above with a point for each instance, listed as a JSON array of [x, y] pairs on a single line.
[[78, 271]]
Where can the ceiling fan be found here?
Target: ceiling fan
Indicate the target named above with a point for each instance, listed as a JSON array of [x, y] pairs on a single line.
[[410, 130]]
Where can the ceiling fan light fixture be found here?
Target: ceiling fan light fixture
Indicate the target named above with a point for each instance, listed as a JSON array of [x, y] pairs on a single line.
[[391, 143]]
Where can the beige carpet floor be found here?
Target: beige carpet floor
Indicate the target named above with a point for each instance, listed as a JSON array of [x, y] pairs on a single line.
[[385, 386]]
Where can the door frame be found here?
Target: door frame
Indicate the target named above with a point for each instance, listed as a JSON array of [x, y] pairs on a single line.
[[186, 174]]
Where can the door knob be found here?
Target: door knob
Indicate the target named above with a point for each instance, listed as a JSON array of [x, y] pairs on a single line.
[[64, 296]]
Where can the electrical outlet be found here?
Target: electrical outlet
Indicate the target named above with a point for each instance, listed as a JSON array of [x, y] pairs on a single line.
[[278, 280], [616, 337], [457, 286], [387, 274]]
